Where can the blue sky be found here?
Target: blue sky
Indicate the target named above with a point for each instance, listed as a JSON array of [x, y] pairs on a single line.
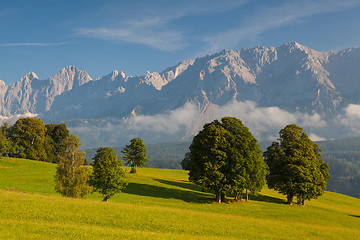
[[151, 35]]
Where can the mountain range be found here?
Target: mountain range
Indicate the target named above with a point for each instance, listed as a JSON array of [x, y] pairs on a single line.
[[289, 80]]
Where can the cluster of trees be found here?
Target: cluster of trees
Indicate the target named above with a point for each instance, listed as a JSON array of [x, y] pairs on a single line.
[[106, 176], [30, 138], [225, 157]]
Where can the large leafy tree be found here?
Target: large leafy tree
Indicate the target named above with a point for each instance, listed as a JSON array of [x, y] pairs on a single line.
[[226, 157], [246, 165], [56, 141], [107, 177], [27, 137], [296, 167], [135, 154], [208, 167], [71, 174]]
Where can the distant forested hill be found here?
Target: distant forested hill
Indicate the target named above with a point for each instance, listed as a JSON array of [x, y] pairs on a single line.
[[162, 155], [343, 157]]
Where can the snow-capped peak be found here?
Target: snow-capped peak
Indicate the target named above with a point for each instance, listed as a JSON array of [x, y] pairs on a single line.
[[30, 76]]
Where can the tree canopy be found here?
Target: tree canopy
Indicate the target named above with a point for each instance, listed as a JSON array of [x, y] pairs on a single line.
[[226, 157], [296, 167], [56, 141], [135, 154], [27, 136], [71, 174], [107, 177]]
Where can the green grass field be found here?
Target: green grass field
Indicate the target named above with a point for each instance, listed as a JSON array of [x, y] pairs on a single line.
[[160, 204]]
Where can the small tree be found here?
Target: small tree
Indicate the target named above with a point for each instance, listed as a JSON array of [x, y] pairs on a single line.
[[185, 163], [5, 146], [135, 154], [296, 167], [107, 177], [56, 138], [71, 174]]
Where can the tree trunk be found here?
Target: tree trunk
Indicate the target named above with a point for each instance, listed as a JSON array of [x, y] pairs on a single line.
[[290, 199], [241, 195], [247, 195], [223, 196], [303, 203], [218, 197], [238, 195], [105, 199]]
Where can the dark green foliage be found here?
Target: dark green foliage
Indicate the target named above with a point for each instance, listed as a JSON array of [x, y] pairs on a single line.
[[4, 145], [4, 142], [56, 137], [296, 167], [71, 174], [185, 163], [226, 157], [27, 137], [107, 177], [135, 154], [247, 167]]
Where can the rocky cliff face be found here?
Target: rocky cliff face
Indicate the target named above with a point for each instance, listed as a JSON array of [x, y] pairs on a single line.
[[291, 76], [32, 95]]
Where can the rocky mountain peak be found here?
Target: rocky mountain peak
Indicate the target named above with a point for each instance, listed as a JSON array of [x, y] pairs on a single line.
[[71, 76], [30, 76]]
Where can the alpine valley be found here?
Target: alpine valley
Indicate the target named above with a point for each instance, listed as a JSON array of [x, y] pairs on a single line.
[[265, 87]]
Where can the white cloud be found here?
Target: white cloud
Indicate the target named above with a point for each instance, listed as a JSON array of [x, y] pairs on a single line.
[[153, 24], [12, 119], [269, 18], [186, 121], [316, 138], [351, 118], [157, 38], [32, 44]]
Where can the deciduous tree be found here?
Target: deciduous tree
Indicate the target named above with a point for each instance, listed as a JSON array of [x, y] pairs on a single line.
[[135, 154], [296, 167], [56, 141], [185, 163], [27, 137], [107, 176], [226, 157], [71, 175]]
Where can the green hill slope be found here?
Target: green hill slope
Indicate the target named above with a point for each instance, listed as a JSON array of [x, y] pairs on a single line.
[[160, 204]]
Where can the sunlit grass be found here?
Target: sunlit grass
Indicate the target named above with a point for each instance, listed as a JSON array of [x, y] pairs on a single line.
[[161, 204]]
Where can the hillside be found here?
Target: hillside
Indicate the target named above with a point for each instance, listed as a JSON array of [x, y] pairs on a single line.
[[161, 204], [342, 155]]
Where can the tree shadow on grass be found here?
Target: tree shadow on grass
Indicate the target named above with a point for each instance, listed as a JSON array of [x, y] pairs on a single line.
[[355, 216], [182, 184], [168, 193], [268, 199], [191, 186]]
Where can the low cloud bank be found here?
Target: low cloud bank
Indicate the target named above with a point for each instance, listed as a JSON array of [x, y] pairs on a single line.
[[185, 122]]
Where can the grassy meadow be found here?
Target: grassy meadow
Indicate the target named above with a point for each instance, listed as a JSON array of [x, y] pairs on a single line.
[[160, 204]]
